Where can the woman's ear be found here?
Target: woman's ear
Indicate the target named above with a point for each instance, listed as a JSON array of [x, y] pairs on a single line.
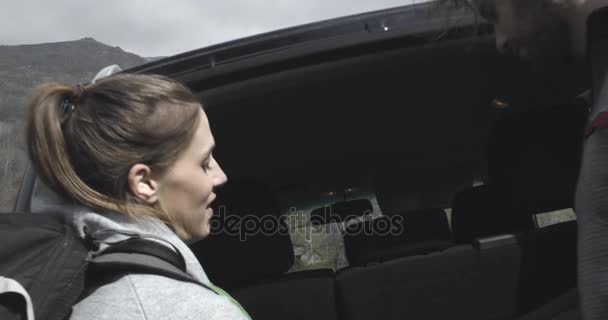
[[142, 185]]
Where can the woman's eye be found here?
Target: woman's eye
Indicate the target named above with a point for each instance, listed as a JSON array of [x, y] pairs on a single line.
[[206, 166]]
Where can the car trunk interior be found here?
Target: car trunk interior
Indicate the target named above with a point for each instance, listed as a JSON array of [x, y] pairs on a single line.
[[414, 118], [413, 123]]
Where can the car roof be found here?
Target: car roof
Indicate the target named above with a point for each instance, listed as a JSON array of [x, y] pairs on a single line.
[[417, 18]]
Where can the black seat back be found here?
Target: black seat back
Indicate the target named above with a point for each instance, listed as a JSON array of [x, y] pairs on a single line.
[[298, 296], [533, 162], [476, 214], [441, 285], [534, 157], [395, 236], [522, 272], [240, 237], [549, 266]]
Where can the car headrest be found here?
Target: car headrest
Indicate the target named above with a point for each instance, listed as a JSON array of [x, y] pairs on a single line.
[[533, 161], [477, 213], [235, 261], [534, 157], [390, 237], [249, 240], [427, 224], [246, 196]]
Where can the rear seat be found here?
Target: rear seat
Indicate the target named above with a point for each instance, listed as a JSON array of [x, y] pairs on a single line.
[[442, 285], [497, 278], [299, 296], [538, 169], [564, 307], [512, 268], [533, 164], [386, 238], [548, 264], [500, 264], [521, 272]]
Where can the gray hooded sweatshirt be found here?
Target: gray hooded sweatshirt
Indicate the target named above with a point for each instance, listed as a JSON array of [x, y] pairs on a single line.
[[150, 297]]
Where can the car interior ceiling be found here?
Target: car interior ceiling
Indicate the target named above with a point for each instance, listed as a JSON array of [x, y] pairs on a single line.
[[419, 117]]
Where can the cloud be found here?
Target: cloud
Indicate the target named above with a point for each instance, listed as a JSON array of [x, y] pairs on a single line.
[[162, 27]]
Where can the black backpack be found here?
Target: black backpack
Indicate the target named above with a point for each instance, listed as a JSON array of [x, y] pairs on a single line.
[[45, 268]]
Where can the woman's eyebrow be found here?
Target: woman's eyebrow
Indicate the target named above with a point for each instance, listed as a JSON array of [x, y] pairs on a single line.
[[207, 153]]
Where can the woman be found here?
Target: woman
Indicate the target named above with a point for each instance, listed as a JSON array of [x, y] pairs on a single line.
[[136, 151]]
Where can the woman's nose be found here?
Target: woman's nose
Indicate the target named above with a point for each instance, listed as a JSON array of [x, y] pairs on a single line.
[[220, 178]]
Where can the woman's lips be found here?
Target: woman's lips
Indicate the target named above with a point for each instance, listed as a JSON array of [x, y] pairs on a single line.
[[212, 197]]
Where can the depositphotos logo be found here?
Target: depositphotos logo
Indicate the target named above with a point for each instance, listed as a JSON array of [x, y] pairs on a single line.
[[247, 225]]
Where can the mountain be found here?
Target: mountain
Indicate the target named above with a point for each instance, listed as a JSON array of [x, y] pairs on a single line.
[[23, 67], [150, 59]]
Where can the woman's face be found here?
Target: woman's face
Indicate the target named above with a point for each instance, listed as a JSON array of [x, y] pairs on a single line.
[[186, 190]]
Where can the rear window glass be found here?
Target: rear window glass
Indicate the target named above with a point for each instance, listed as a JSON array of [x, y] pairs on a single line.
[[321, 246]]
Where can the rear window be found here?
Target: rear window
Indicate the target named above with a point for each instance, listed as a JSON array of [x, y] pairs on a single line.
[[546, 219], [320, 246]]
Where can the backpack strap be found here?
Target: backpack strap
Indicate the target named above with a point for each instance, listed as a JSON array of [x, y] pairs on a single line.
[[17, 299], [144, 257], [148, 247]]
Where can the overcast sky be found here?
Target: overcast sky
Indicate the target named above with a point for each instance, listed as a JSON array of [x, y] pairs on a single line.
[[165, 27]]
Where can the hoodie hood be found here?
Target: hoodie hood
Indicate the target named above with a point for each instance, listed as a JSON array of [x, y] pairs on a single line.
[[110, 227]]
